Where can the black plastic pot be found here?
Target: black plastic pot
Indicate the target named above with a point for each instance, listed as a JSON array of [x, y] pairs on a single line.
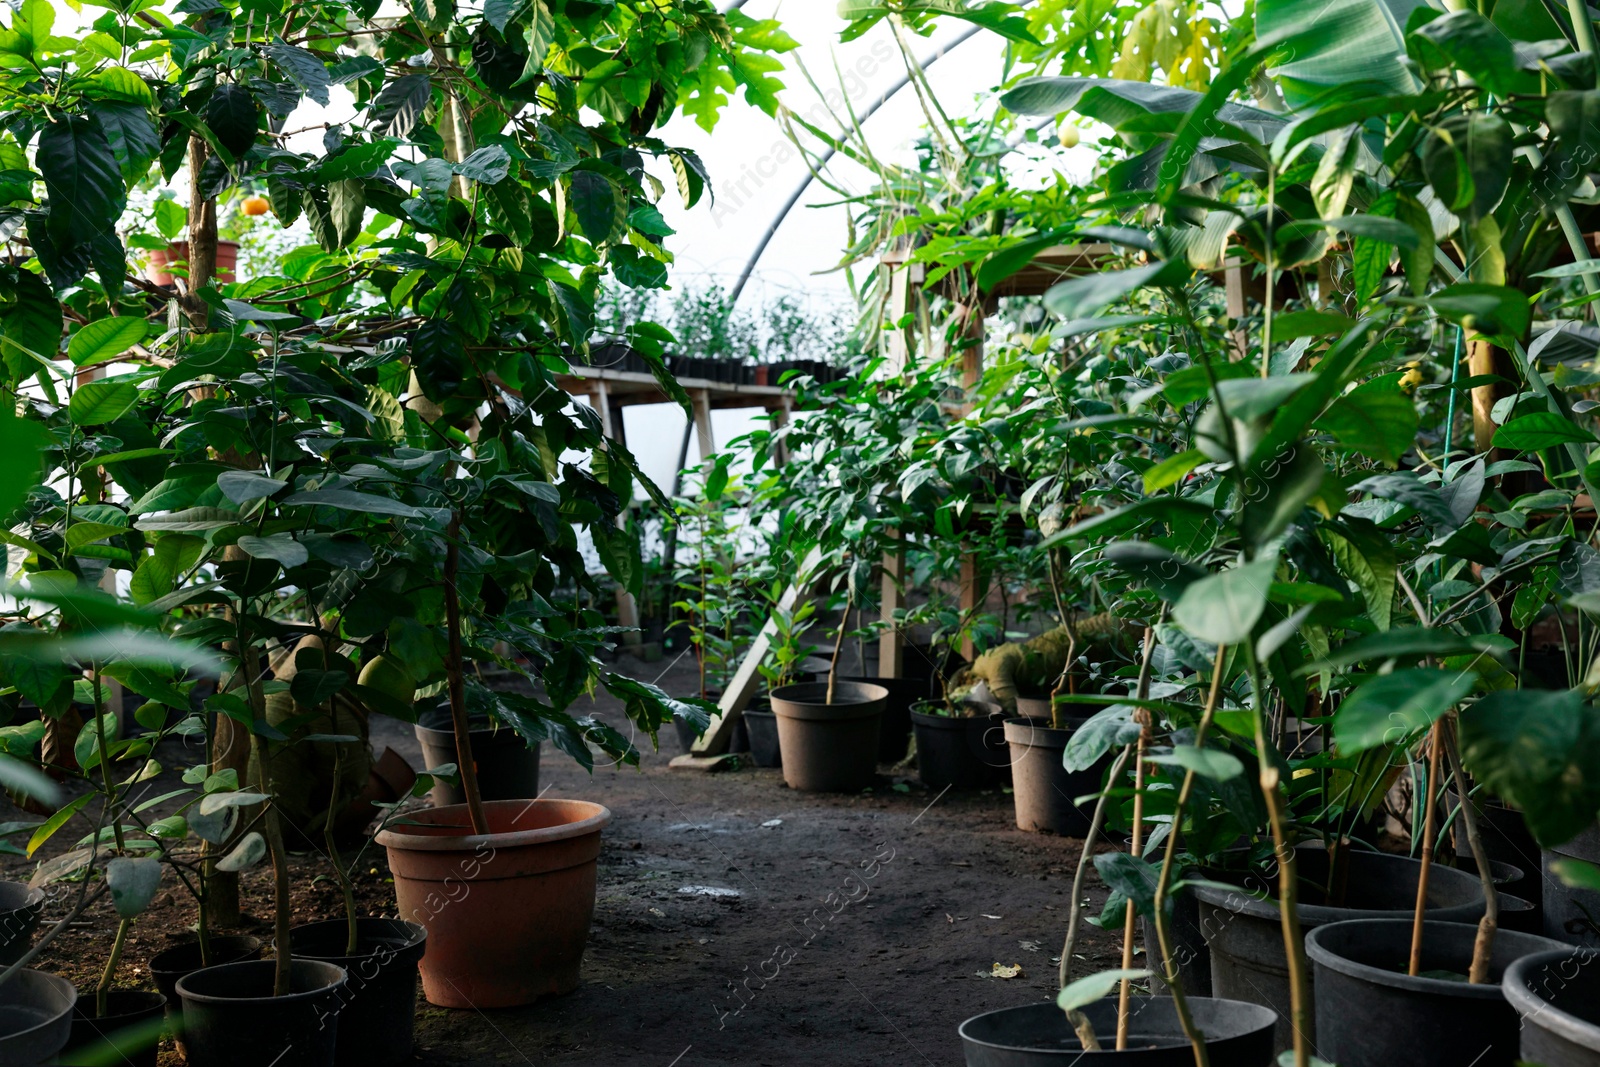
[[1505, 837], [1570, 913], [1188, 946], [1045, 792], [894, 729], [827, 747], [1038, 1035], [763, 729], [1245, 933], [379, 1005], [231, 1018], [1558, 996], [35, 1017], [508, 767], [129, 1034], [20, 907], [965, 753], [166, 968], [1371, 1013]]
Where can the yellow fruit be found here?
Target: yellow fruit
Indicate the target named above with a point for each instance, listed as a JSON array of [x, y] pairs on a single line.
[[1067, 134], [389, 676], [256, 205]]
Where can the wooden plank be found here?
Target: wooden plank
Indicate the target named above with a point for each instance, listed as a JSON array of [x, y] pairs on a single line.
[[702, 422], [748, 677], [971, 595], [891, 643], [728, 761]]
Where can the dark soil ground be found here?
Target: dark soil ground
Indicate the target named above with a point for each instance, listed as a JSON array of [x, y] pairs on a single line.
[[928, 894]]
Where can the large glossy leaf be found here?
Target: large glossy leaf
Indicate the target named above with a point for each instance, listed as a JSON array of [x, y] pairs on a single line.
[[1389, 709], [1225, 607], [1377, 419], [396, 110], [1539, 430], [30, 330], [99, 402], [1540, 750], [1340, 44], [303, 68], [81, 178], [1089, 294], [234, 118], [133, 883], [105, 339], [1467, 159]]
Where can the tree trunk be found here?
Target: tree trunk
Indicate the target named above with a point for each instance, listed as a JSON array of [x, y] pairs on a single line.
[[202, 236]]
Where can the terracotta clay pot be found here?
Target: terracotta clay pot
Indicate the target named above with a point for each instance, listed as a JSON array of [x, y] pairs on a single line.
[[156, 273], [507, 912]]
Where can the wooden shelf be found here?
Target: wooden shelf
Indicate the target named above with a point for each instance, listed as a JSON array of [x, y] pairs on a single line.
[[625, 388]]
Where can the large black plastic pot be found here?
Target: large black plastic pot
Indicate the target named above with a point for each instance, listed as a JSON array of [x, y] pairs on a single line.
[[1371, 1013], [128, 1034], [966, 753], [1245, 933], [508, 767], [20, 908], [1045, 792], [1570, 913], [894, 729], [231, 1018], [763, 729], [1506, 838], [1558, 996], [35, 1017], [166, 968], [379, 1004], [1038, 1035], [830, 748]]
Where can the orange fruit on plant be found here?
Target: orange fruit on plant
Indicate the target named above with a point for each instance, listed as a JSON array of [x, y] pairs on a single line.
[[256, 205]]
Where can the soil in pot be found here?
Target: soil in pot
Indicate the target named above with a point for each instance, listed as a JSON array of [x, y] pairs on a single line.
[[508, 767], [1572, 914], [1371, 1013], [1237, 1035], [20, 908], [128, 1035], [964, 752], [166, 968], [829, 748], [231, 1018], [379, 1002], [763, 729], [507, 912], [1245, 933], [35, 1017], [894, 729], [1557, 994], [1045, 792]]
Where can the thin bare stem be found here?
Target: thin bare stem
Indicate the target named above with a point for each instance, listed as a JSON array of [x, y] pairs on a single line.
[[465, 767], [1180, 1003], [1080, 1022], [1483, 945], [1125, 988], [1428, 834]]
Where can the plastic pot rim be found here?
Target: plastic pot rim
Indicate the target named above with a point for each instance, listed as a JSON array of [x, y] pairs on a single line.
[[597, 818], [1265, 1017], [1320, 954], [338, 980], [1530, 1005]]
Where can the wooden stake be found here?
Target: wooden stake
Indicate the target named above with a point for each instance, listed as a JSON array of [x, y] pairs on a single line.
[[1434, 748], [1142, 717]]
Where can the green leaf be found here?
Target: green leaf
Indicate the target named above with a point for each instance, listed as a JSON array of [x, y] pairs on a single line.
[[132, 136], [1540, 750], [1131, 876], [1390, 709], [1172, 470], [281, 547], [350, 500], [82, 179], [134, 883], [1407, 642], [1339, 43], [1094, 987], [1576, 874], [31, 330], [488, 165], [17, 776], [1224, 608], [242, 487], [303, 68], [1376, 419], [233, 118], [1467, 160], [599, 205], [396, 110], [1207, 762], [1496, 310], [105, 339], [251, 850], [1090, 294], [99, 402], [48, 828], [1540, 430]]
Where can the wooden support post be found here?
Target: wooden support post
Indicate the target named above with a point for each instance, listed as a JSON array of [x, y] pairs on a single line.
[[748, 677], [780, 424], [901, 343], [702, 422], [611, 427], [1234, 295], [891, 643], [972, 595], [969, 331]]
